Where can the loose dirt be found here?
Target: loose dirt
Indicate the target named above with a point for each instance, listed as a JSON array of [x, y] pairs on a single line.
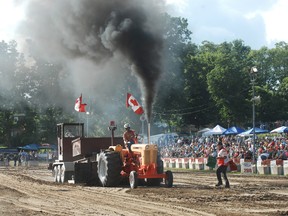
[[31, 191]]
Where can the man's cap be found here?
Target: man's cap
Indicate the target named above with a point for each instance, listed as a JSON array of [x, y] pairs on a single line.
[[126, 125]]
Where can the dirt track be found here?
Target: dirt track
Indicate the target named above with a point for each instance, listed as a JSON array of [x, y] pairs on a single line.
[[27, 192]]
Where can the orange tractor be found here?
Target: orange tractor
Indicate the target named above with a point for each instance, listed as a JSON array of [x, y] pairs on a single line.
[[95, 160], [142, 165]]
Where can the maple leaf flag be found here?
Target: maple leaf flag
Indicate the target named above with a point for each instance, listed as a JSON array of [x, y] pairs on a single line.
[[79, 106], [133, 103]]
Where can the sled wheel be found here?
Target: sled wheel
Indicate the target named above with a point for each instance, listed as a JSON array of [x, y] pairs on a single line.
[[58, 176], [55, 173], [63, 175]]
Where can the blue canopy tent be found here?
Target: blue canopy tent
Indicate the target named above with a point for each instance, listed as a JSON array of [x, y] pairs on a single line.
[[233, 131], [250, 132], [282, 129], [30, 147]]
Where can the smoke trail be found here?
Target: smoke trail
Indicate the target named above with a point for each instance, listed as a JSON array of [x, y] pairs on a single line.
[[100, 30]]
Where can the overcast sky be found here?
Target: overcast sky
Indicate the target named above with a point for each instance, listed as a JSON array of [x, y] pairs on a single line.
[[257, 22]]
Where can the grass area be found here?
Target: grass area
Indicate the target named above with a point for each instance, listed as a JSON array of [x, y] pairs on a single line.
[[2, 146]]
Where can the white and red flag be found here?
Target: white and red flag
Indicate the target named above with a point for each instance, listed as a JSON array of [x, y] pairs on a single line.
[[79, 106], [133, 103]]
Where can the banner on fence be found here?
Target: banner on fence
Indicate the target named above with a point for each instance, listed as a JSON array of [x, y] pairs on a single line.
[[246, 168]]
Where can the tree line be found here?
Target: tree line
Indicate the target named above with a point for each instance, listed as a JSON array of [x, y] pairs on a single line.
[[201, 84]]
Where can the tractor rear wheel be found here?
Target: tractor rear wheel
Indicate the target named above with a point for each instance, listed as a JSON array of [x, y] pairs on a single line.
[[133, 179], [109, 168], [169, 179]]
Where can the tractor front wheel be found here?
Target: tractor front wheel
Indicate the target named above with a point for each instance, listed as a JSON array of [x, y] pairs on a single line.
[[133, 179], [169, 179]]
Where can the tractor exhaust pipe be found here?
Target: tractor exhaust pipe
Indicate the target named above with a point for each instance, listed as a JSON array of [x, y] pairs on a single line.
[[148, 132]]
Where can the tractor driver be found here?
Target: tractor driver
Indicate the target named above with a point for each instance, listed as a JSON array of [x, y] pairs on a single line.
[[129, 136]]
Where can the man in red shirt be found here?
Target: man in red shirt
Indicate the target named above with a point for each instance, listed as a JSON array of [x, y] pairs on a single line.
[[129, 136], [222, 160]]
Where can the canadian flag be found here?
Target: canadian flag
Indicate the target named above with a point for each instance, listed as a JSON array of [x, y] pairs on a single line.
[[133, 103], [79, 106]]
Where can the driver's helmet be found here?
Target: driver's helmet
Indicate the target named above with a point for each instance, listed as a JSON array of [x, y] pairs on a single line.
[[126, 125]]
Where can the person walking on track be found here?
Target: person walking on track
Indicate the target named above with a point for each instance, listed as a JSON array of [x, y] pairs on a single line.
[[222, 159]]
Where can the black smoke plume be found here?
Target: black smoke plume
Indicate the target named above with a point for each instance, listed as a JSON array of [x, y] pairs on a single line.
[[63, 30]]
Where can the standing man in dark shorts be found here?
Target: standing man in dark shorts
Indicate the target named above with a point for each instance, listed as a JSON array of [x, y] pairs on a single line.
[[222, 159]]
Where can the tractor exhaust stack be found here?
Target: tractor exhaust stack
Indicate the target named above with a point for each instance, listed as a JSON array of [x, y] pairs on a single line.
[[148, 133]]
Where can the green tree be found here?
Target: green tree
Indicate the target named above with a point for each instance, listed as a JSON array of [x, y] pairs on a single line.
[[8, 72], [228, 81], [170, 91], [272, 72], [200, 107]]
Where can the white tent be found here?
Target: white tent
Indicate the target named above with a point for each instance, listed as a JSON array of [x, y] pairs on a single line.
[[282, 129], [217, 130], [203, 130]]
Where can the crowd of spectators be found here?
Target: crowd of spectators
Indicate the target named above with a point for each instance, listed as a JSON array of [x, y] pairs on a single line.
[[19, 158], [238, 147], [22, 157]]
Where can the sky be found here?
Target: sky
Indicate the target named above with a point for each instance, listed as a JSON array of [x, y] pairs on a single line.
[[257, 22], [10, 15]]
